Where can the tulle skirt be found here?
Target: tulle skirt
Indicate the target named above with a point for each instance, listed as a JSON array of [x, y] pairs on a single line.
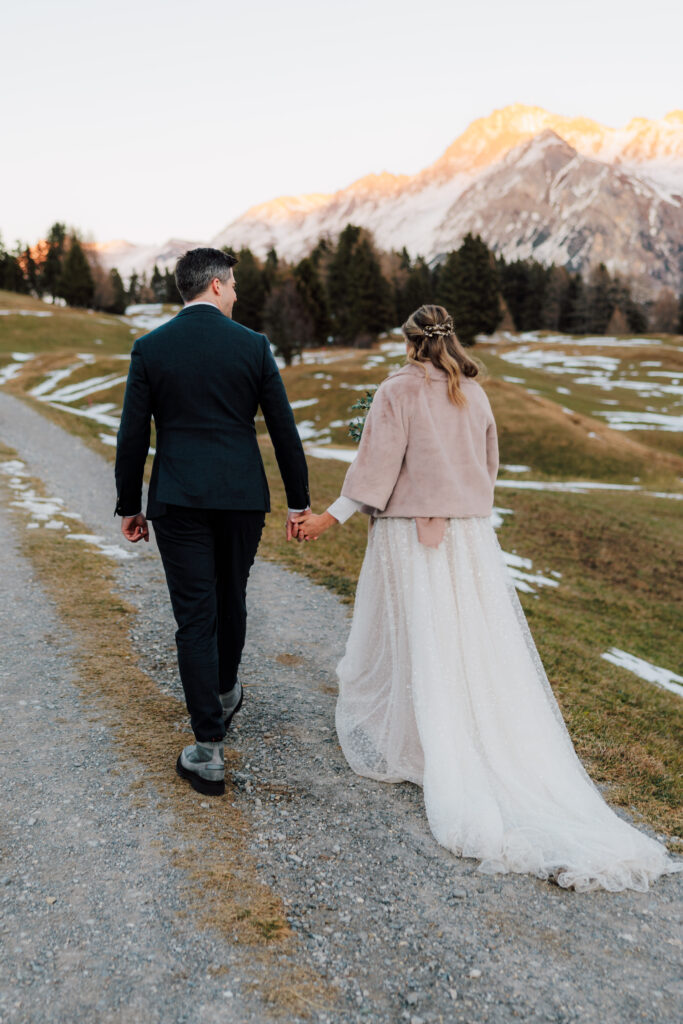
[[441, 685]]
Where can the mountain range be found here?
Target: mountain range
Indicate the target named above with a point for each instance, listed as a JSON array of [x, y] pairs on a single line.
[[564, 190]]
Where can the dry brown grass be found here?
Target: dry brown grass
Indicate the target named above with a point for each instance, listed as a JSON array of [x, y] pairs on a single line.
[[537, 430]]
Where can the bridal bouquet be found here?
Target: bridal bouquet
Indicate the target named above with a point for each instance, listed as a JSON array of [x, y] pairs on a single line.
[[362, 405]]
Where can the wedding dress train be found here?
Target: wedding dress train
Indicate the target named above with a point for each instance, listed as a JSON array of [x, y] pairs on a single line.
[[441, 684]]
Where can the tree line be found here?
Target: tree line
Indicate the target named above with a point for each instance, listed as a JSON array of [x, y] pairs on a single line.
[[348, 291], [64, 267]]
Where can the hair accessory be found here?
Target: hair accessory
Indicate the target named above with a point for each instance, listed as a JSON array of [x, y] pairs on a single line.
[[438, 330]]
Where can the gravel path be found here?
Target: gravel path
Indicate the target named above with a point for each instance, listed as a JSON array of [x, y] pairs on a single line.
[[401, 928]]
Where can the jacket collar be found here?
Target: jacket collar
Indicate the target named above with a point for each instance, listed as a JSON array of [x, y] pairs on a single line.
[[413, 369], [201, 307]]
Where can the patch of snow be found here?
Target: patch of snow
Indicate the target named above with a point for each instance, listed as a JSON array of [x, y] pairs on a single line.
[[85, 388], [99, 413], [394, 348], [25, 312], [661, 677], [9, 371], [569, 487], [526, 581], [40, 509], [110, 550], [497, 514], [514, 468], [308, 431], [301, 403], [621, 420], [319, 358], [340, 454], [146, 316]]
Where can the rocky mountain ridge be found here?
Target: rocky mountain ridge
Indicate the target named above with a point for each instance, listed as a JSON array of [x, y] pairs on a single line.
[[532, 183]]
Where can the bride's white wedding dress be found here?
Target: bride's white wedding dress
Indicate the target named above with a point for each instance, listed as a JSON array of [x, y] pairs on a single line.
[[441, 684]]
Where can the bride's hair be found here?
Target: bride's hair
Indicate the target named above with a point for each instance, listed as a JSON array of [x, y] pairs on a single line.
[[431, 338]]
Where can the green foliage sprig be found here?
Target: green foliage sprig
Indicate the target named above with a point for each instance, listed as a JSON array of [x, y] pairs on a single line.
[[363, 406]]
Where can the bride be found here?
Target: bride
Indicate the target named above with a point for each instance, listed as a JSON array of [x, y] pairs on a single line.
[[441, 683]]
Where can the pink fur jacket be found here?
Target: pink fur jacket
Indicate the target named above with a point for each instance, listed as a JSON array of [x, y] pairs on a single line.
[[423, 457]]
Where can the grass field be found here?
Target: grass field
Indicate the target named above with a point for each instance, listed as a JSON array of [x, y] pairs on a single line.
[[619, 554]]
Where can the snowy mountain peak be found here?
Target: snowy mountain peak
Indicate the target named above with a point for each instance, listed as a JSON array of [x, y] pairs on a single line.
[[562, 189]]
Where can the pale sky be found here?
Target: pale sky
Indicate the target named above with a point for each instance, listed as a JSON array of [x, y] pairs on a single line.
[[149, 120]]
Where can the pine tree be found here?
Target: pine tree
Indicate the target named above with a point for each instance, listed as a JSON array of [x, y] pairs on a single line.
[[271, 269], [339, 281], [171, 293], [370, 306], [133, 289], [556, 301], [413, 286], [312, 293], [468, 288], [359, 296], [251, 291], [52, 267], [600, 299], [576, 317], [158, 285], [419, 288], [75, 283], [286, 320], [119, 297], [514, 285], [30, 269], [532, 310], [11, 274]]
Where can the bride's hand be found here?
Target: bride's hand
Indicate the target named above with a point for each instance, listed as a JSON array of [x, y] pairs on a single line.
[[311, 526]]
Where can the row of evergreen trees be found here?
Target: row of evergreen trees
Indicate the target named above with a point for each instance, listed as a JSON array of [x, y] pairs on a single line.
[[348, 292], [62, 267]]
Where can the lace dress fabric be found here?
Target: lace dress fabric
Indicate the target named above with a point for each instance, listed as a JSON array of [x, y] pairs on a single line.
[[441, 685]]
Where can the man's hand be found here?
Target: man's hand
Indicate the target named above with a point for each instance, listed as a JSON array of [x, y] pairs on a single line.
[[135, 528], [310, 526], [291, 526]]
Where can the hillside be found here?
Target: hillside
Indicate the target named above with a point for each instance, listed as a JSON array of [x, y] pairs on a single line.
[[588, 503]]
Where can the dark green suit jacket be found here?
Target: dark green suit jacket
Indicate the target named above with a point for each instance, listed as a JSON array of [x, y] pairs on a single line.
[[202, 377]]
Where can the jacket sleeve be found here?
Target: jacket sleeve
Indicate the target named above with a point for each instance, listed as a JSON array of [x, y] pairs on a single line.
[[492, 451], [371, 478], [132, 443], [279, 418]]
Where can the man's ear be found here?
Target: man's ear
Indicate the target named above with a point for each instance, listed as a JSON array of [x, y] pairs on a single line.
[[216, 286]]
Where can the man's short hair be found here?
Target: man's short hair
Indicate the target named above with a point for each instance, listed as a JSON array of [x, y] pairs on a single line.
[[196, 269]]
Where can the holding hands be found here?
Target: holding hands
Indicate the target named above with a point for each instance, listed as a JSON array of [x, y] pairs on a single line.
[[310, 526]]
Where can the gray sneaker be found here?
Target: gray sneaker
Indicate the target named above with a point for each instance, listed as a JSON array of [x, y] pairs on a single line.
[[203, 766], [232, 702]]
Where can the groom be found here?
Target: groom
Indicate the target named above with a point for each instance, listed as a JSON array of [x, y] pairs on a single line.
[[202, 377]]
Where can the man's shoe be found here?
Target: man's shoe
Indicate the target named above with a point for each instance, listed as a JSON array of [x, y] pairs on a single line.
[[232, 702], [203, 766]]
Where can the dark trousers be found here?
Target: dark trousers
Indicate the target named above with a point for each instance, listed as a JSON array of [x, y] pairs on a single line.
[[207, 555]]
